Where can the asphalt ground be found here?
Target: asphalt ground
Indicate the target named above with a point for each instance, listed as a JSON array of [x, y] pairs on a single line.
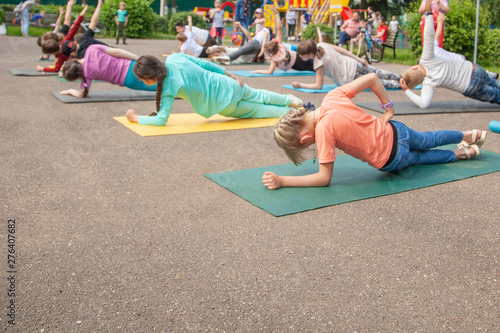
[[117, 232]]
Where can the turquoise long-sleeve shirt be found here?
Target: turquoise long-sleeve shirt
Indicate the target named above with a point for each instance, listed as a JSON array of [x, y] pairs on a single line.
[[201, 83]]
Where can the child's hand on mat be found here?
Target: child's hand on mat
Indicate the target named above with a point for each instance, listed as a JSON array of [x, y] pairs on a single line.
[[296, 84], [272, 181], [39, 68], [403, 84], [132, 116]]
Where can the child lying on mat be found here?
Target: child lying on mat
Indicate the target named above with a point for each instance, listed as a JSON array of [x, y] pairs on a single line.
[[283, 55], [453, 73], [209, 88], [106, 64], [340, 65], [385, 145]]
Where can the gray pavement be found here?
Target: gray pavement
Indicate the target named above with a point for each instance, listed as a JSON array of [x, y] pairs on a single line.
[[116, 232]]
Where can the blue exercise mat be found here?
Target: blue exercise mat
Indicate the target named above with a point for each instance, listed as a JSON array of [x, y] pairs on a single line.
[[277, 72], [326, 88], [352, 180]]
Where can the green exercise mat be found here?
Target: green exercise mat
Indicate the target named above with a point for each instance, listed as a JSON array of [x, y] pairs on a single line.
[[30, 72], [466, 105], [352, 180], [108, 96]]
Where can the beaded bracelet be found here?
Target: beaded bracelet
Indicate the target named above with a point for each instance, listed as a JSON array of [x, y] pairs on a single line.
[[387, 106]]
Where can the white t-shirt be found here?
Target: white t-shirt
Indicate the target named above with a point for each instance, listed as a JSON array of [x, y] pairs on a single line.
[[393, 25], [260, 36], [439, 52], [191, 47], [441, 71], [200, 36], [341, 69]]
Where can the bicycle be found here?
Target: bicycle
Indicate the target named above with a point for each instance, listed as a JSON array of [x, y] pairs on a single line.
[[371, 49], [100, 30]]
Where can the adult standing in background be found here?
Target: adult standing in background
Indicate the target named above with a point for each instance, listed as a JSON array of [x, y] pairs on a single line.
[[25, 16], [243, 14], [438, 6]]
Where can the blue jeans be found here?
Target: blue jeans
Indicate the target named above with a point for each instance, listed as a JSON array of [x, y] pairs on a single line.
[[414, 147], [132, 82], [245, 22], [25, 22], [343, 37], [483, 87]]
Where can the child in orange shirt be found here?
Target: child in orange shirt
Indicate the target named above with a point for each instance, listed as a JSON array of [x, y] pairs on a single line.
[[386, 145]]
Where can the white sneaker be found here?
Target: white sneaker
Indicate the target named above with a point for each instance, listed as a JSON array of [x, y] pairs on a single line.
[[212, 48], [296, 102], [223, 59]]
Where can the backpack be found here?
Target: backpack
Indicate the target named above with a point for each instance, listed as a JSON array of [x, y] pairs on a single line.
[[18, 8]]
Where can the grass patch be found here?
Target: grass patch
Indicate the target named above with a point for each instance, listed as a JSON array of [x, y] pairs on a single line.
[[15, 30]]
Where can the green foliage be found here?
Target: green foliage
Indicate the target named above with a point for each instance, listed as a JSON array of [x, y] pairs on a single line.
[[459, 27], [2, 15], [198, 21], [7, 7], [161, 24], [310, 32], [141, 17], [489, 50]]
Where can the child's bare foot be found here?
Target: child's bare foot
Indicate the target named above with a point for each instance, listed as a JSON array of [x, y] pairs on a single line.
[[467, 152], [472, 137]]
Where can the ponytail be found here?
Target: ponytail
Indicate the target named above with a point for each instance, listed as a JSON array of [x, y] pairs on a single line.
[[149, 67], [73, 70]]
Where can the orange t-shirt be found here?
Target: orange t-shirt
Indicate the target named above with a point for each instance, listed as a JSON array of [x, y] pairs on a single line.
[[344, 125]]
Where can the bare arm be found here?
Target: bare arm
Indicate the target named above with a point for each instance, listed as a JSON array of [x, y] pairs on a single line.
[[245, 31], [317, 85], [372, 82], [320, 37], [59, 19], [440, 21], [119, 53], [322, 178], [421, 9], [277, 24], [271, 69], [95, 17], [67, 17], [190, 23], [343, 51], [444, 7]]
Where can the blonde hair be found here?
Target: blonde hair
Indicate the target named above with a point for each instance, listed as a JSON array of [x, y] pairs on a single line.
[[412, 77], [286, 134], [181, 37]]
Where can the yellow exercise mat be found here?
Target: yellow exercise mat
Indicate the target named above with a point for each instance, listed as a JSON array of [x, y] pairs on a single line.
[[183, 123]]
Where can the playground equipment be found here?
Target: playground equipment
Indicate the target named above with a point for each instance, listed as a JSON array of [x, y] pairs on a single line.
[[202, 11]]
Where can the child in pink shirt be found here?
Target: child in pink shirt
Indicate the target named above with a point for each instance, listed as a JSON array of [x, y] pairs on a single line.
[[384, 144]]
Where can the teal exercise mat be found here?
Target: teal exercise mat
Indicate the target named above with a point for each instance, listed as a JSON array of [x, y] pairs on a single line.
[[466, 105], [108, 96], [276, 73], [352, 180], [327, 88], [30, 72], [38, 59]]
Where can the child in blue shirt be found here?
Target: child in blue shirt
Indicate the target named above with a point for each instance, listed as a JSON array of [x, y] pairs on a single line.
[[121, 19], [209, 88]]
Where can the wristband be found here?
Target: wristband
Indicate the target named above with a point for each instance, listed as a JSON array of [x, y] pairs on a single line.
[[428, 13], [387, 106]]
